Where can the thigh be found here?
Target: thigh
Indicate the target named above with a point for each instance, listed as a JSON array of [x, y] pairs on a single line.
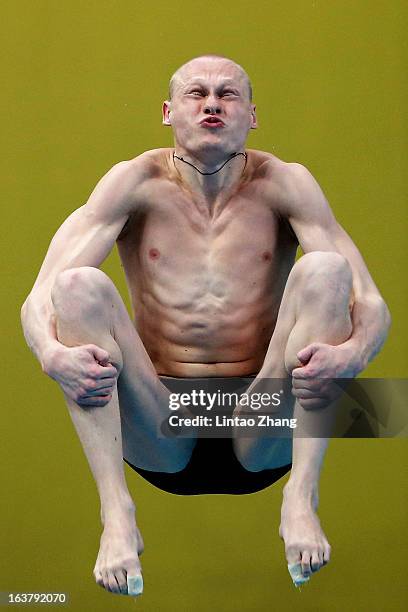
[[315, 307], [260, 453], [101, 318], [144, 408]]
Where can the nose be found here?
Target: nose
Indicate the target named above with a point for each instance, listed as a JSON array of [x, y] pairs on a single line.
[[212, 106]]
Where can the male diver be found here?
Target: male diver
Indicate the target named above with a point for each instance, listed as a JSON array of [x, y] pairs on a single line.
[[207, 233]]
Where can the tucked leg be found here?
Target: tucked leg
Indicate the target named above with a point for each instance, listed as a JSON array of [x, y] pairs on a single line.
[[89, 310], [314, 308]]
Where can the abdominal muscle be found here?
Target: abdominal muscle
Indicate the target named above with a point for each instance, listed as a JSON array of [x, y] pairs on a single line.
[[199, 322], [216, 341]]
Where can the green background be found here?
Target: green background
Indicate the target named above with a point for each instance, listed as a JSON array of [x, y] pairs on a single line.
[[82, 87]]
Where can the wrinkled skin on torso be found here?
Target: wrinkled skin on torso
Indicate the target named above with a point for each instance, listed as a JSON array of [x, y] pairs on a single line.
[[206, 281]]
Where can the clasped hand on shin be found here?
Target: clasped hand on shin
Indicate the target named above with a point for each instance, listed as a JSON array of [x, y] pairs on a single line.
[[84, 373], [317, 383]]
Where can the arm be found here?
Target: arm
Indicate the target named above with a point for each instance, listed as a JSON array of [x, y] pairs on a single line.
[[311, 218], [84, 239]]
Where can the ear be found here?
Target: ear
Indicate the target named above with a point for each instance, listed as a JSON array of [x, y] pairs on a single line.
[[254, 123], [166, 112]]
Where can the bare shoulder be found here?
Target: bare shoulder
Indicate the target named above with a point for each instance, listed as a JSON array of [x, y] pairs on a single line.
[[133, 173], [277, 170], [126, 184], [290, 185], [150, 164]]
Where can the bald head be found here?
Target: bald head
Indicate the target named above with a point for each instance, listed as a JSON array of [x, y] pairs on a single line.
[[177, 77]]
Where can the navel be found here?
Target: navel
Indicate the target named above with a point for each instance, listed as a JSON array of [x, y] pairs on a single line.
[[154, 253], [266, 256]]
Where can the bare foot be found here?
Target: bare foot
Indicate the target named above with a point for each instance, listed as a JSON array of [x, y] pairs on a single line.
[[305, 542], [117, 566]]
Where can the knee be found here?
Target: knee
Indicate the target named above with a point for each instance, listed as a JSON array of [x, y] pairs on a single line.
[[265, 454], [325, 262], [175, 464], [80, 287], [324, 269]]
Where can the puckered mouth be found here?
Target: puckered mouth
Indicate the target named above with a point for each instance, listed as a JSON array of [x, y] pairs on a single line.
[[212, 119]]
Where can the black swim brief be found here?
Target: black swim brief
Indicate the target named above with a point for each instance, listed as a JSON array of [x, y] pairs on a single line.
[[213, 468]]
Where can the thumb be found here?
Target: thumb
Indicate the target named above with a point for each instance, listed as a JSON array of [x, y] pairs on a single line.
[[305, 354], [100, 354]]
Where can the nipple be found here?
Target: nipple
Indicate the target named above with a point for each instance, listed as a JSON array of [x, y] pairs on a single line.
[[154, 254]]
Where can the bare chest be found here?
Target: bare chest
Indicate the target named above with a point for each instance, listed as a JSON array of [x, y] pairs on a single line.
[[172, 231], [183, 253]]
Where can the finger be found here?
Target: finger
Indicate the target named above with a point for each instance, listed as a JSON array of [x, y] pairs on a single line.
[[299, 372], [305, 354], [307, 383], [305, 394], [105, 383], [313, 384], [98, 392], [105, 372], [310, 371], [135, 584], [94, 402], [314, 404], [101, 394], [304, 386], [298, 383], [99, 353]]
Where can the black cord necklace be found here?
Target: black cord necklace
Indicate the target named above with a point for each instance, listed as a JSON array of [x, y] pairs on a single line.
[[215, 171]]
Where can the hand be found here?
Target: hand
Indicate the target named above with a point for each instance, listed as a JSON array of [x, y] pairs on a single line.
[[84, 373], [316, 383]]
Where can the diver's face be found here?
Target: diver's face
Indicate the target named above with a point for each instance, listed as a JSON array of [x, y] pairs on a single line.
[[210, 108]]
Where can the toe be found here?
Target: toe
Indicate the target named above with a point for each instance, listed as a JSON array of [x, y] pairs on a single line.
[[113, 585], [315, 562], [122, 582], [134, 584], [98, 578], [305, 562], [105, 579], [326, 554], [292, 554]]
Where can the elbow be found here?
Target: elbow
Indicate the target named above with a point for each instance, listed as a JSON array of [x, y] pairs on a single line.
[[387, 317], [23, 310], [384, 315], [380, 313]]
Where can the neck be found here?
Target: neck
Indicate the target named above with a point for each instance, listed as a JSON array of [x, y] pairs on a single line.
[[210, 177]]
